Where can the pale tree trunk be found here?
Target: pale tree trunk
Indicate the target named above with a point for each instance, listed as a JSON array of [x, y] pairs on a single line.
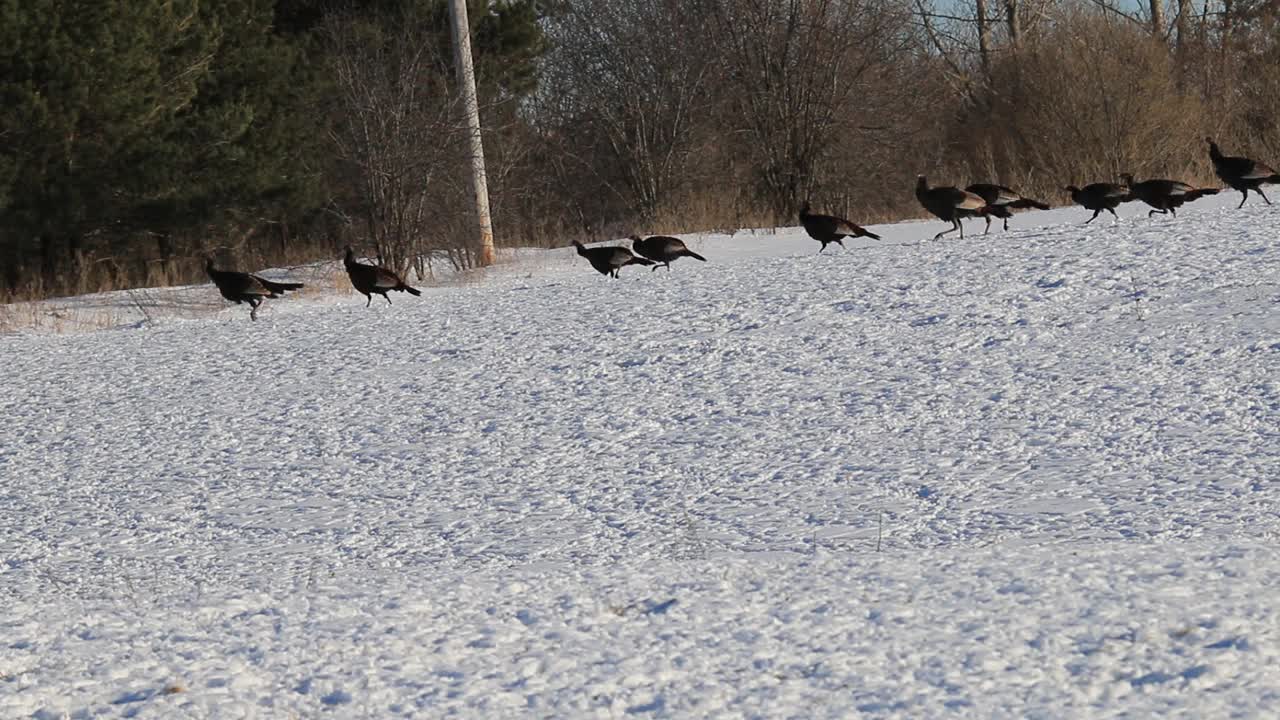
[[1228, 16], [984, 39], [1157, 18], [1182, 27], [471, 108], [1015, 24]]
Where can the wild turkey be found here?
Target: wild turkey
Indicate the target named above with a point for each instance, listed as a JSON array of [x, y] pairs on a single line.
[[608, 260], [828, 229], [1242, 173], [372, 280], [1002, 201], [1100, 196], [1166, 196], [950, 204], [239, 287], [662, 249]]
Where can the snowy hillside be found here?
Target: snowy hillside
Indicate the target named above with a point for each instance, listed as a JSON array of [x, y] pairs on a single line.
[[1031, 474]]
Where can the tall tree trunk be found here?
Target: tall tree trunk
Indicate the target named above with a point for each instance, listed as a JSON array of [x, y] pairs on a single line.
[[1014, 19], [1182, 24], [1228, 20], [984, 39], [77, 265], [48, 263], [164, 248], [1182, 28], [1157, 18]]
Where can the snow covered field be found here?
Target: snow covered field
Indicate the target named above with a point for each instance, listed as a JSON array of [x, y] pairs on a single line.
[[1032, 474]]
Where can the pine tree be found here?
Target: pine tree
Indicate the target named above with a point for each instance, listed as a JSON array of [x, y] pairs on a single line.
[[125, 117]]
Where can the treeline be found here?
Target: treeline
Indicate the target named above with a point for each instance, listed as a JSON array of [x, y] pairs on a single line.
[[138, 135]]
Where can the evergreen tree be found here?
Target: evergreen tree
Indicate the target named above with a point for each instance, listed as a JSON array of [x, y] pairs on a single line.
[[122, 116], [124, 123]]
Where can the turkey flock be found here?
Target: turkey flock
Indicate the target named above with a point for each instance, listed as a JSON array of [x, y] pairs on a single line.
[[368, 280], [952, 204], [948, 203]]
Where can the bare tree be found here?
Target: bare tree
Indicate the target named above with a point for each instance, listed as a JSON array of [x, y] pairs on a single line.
[[396, 131], [803, 73], [1097, 98], [1157, 18], [1148, 15], [1013, 18], [631, 75], [984, 37]]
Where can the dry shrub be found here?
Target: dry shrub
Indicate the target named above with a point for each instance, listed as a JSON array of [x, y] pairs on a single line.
[[1093, 97], [630, 78], [807, 79], [398, 136], [1230, 61], [709, 209]]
